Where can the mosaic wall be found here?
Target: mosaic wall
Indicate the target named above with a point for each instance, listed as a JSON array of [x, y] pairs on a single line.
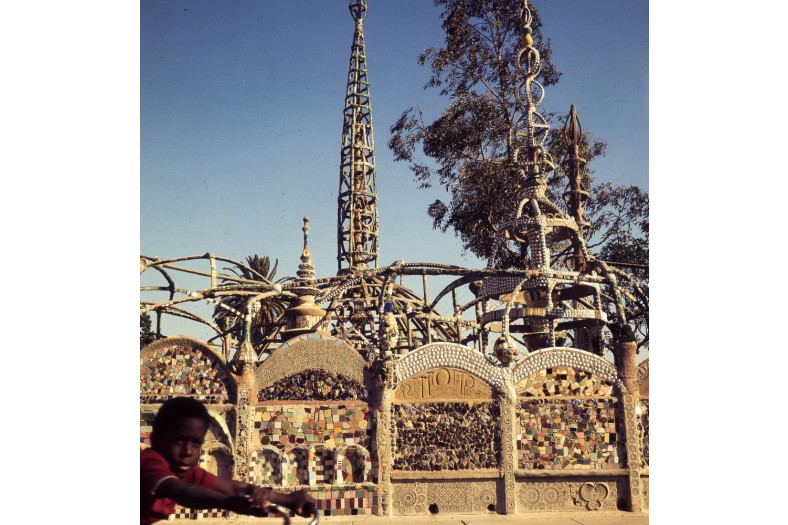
[[444, 497], [314, 385], [297, 468], [265, 467], [283, 426], [445, 436], [563, 496], [183, 370], [345, 493], [356, 466], [568, 434], [325, 466], [196, 514], [146, 426], [564, 381], [643, 432], [313, 444], [346, 502]]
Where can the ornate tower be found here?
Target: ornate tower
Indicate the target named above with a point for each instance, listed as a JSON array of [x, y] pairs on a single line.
[[557, 296], [357, 224], [576, 196]]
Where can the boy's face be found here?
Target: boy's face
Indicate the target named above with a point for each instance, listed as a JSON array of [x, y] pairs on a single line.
[[181, 446]]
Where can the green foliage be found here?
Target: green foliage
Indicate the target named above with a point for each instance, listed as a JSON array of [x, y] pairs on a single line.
[[147, 336], [264, 321]]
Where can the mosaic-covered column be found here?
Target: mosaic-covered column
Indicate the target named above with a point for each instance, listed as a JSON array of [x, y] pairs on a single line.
[[633, 452], [508, 450], [242, 445], [245, 359], [383, 437], [625, 356]]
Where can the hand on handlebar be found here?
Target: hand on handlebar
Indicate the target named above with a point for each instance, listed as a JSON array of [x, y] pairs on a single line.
[[302, 503], [308, 509]]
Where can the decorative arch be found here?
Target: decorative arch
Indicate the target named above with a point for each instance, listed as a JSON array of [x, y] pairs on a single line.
[[354, 464], [183, 366], [572, 357], [220, 429], [297, 461], [217, 458], [311, 351], [568, 417], [643, 378], [452, 355], [269, 464], [323, 464]]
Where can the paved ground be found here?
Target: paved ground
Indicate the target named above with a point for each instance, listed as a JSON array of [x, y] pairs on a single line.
[[545, 518]]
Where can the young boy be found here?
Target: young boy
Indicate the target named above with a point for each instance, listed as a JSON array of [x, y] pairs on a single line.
[[169, 473]]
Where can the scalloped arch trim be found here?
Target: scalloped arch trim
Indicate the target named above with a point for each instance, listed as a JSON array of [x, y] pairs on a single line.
[[435, 355], [577, 359], [643, 377], [311, 351]]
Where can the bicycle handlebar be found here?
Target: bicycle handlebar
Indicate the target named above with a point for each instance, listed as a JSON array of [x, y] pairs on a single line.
[[285, 512]]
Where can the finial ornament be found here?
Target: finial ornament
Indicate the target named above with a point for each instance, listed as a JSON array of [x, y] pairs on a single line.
[[306, 269], [358, 9], [305, 229]]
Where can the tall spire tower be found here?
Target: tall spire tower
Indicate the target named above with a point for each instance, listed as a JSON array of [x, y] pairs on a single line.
[[357, 225]]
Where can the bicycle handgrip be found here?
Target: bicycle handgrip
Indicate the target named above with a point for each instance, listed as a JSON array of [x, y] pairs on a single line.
[[285, 512], [312, 508], [282, 511]]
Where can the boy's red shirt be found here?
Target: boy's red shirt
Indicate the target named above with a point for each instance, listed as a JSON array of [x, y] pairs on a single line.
[[153, 469]]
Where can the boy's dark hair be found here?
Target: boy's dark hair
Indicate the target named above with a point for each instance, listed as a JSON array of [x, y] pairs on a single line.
[[172, 411]]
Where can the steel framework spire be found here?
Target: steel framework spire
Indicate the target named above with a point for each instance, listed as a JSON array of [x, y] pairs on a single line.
[[357, 225]]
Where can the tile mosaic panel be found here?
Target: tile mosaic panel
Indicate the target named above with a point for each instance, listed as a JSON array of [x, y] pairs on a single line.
[[346, 502], [356, 466], [325, 466], [183, 513], [333, 425], [300, 471], [555, 434], [146, 426], [314, 385], [332, 502], [184, 371], [445, 436], [266, 467], [564, 381]]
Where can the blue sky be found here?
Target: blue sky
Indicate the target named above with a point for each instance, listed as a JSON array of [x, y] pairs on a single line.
[[240, 118]]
